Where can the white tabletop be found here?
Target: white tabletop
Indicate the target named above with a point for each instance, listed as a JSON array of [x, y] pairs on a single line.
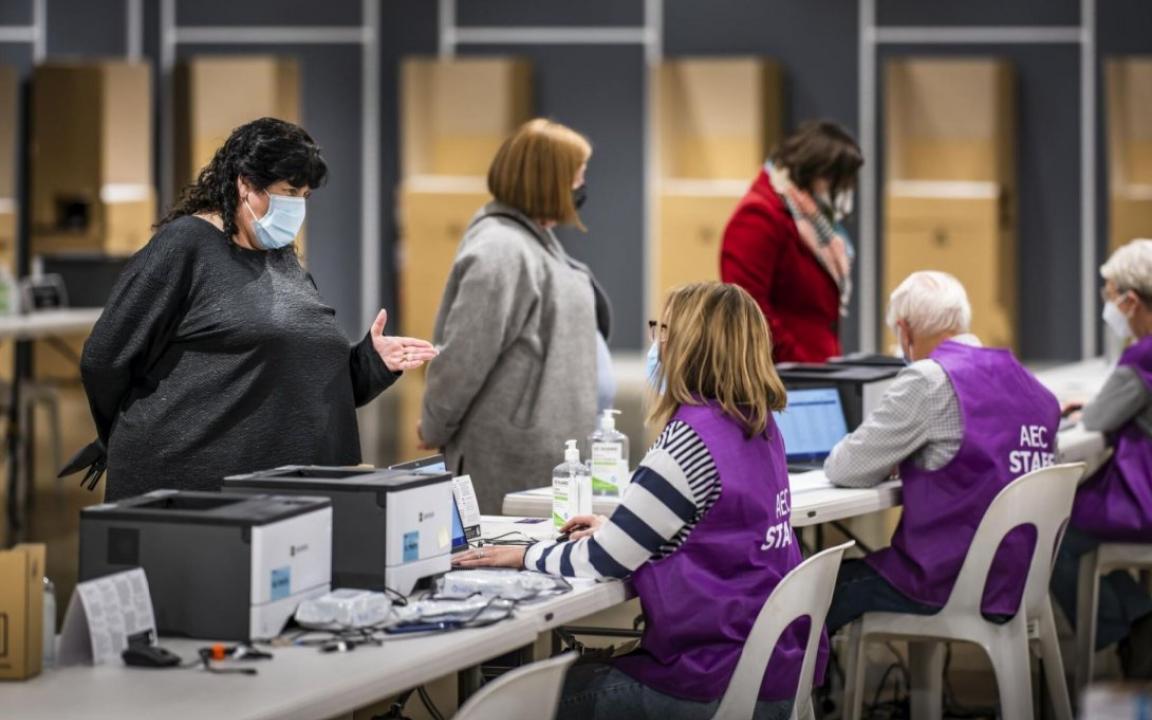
[[814, 500], [300, 683], [1076, 382], [44, 323]]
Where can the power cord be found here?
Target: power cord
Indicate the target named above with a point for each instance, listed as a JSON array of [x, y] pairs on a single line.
[[430, 706]]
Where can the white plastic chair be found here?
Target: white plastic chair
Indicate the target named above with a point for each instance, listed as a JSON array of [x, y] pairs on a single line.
[[1101, 561], [1042, 499], [531, 692], [806, 591]]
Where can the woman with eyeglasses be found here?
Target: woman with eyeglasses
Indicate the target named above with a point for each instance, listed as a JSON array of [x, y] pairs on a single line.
[[703, 529], [216, 353], [1115, 504]]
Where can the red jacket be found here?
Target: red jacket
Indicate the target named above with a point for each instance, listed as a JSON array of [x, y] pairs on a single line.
[[762, 252]]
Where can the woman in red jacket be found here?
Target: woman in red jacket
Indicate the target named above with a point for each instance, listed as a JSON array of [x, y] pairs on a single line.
[[786, 246]]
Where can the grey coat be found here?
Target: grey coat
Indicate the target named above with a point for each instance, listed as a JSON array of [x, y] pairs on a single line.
[[516, 375]]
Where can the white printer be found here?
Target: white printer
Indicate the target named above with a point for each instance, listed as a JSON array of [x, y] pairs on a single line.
[[219, 566], [391, 528]]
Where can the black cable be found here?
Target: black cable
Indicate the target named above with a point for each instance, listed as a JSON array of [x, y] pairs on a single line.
[[883, 682], [428, 704], [952, 706], [524, 538], [398, 598]]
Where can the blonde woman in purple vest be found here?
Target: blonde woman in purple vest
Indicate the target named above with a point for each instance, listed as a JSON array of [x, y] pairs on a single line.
[[958, 424], [704, 529], [1115, 504]]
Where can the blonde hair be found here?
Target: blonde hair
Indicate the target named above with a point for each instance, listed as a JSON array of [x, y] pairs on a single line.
[[717, 348], [931, 302], [534, 169], [1130, 268]]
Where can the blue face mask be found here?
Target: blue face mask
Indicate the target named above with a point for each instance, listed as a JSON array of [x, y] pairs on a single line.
[[281, 224], [653, 366]]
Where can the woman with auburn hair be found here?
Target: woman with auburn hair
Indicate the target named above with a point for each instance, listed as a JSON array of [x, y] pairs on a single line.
[[704, 528], [522, 326]]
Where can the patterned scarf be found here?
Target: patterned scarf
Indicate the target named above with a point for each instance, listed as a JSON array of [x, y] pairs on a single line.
[[825, 237]]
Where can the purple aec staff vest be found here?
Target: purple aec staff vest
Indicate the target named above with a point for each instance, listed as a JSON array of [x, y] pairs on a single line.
[[1116, 503], [701, 601], [1010, 424]]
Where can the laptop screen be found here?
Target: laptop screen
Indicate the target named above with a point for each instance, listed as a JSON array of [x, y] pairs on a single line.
[[812, 423], [434, 465]]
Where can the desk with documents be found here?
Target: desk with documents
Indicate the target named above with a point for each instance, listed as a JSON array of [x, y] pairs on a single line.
[[302, 683]]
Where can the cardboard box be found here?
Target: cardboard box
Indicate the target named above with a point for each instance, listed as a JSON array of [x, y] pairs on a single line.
[[949, 201], [1129, 115], [689, 232], [455, 114], [21, 611], [91, 179], [432, 221], [715, 118], [215, 95]]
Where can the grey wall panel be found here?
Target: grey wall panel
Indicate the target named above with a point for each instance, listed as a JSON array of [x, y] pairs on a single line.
[[1124, 26], [82, 28], [16, 12], [506, 13], [268, 12], [979, 12], [409, 27]]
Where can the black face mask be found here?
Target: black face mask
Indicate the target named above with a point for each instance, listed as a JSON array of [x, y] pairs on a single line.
[[580, 196]]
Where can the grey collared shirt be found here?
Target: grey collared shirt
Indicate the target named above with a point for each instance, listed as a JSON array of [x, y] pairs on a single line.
[[1124, 397], [918, 418]]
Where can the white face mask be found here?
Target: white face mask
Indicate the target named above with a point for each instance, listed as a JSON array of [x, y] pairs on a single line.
[[1116, 320], [843, 205], [281, 223]]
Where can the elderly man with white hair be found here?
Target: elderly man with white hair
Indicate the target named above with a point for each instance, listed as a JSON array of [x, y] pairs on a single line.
[[959, 424], [1115, 504]]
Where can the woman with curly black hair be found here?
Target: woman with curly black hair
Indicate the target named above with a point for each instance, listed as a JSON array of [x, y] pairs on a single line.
[[215, 353]]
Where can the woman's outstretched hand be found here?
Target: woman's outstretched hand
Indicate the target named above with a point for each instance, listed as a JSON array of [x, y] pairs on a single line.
[[400, 353]]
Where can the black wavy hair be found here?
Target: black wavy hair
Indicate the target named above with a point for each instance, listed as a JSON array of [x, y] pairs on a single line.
[[262, 152]]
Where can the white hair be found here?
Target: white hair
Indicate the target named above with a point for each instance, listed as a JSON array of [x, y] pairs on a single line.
[[931, 303], [1130, 268]]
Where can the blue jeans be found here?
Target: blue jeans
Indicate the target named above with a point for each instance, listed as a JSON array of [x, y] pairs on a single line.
[[598, 691], [1122, 600], [860, 589]]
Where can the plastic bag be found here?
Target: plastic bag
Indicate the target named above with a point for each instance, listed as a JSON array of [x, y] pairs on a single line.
[[346, 609], [507, 584]]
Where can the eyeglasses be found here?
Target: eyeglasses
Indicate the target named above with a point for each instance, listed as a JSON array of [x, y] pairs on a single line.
[[1107, 297], [657, 330]]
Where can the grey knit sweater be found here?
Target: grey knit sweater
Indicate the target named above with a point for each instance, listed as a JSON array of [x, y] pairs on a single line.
[[210, 360]]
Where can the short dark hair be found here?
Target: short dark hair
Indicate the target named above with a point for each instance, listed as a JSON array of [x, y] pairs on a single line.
[[820, 149], [262, 152]]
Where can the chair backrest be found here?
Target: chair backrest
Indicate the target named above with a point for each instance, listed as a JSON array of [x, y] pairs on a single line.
[[531, 692], [806, 591], [1042, 499]]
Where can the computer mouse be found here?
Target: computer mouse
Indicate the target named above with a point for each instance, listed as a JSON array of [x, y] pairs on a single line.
[[151, 656]]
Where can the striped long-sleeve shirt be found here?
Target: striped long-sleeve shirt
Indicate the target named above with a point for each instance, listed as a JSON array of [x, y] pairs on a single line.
[[671, 490]]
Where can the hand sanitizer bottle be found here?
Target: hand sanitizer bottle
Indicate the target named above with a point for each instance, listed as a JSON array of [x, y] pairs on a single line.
[[609, 449], [571, 487]]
